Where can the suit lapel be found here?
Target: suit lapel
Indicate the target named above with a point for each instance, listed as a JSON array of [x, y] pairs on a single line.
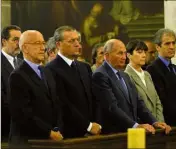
[[136, 78], [138, 81], [64, 69], [6, 64], [115, 80], [50, 84], [34, 77], [81, 71]]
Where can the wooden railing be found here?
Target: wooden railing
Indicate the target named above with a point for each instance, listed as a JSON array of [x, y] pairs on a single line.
[[113, 141]]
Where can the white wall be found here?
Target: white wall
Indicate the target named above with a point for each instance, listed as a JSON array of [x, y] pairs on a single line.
[[170, 18]]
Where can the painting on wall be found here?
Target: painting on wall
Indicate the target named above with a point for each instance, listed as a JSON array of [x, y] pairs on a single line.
[[97, 21]]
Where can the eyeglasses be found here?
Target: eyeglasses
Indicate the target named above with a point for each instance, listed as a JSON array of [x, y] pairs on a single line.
[[37, 43], [15, 39], [72, 41]]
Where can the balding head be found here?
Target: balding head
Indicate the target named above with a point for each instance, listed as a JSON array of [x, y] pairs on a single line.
[[32, 45], [28, 37], [115, 53], [110, 44]]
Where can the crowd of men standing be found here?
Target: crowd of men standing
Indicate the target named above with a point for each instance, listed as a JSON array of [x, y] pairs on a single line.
[[64, 99]]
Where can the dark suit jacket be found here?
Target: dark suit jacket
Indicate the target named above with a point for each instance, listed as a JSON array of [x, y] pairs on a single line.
[[77, 111], [117, 111], [6, 69], [165, 84], [34, 109]]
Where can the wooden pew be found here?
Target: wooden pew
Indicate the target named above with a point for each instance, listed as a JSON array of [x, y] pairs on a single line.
[[112, 141]]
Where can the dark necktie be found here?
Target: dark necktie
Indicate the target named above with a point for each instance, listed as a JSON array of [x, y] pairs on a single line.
[[15, 62], [122, 83], [73, 66], [43, 75], [171, 68]]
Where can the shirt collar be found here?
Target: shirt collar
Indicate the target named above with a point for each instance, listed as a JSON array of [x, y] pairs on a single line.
[[166, 62], [32, 65], [67, 60], [113, 69], [140, 73], [9, 57]]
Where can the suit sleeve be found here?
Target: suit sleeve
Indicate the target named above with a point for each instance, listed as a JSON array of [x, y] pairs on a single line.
[[21, 107], [106, 98]]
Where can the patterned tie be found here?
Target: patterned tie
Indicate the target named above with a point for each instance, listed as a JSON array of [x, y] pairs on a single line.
[[122, 82], [15, 62], [171, 68]]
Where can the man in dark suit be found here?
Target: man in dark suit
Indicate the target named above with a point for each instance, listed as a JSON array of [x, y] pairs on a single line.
[[33, 103], [10, 49], [120, 104], [163, 73], [76, 91]]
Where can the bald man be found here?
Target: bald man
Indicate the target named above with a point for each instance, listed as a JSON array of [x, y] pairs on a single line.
[[120, 104], [33, 103]]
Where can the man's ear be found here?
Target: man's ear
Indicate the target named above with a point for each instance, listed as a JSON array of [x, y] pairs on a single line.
[[24, 48], [3, 42], [58, 44], [157, 47], [128, 55], [106, 56]]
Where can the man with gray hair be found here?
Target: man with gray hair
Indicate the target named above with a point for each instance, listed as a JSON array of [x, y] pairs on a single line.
[[78, 111], [163, 72], [120, 105]]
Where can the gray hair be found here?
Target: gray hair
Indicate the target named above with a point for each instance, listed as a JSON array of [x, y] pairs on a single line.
[[58, 34], [108, 46], [159, 34], [50, 45]]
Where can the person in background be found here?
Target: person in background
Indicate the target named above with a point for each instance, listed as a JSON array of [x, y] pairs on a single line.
[[97, 56], [119, 102], [77, 84], [34, 106], [136, 52], [150, 53], [163, 72], [10, 49], [51, 50]]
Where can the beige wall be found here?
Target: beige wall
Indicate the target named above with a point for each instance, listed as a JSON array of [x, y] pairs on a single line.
[[5, 13], [170, 18]]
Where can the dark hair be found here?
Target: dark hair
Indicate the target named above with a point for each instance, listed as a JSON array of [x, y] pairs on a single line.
[[5, 33], [94, 51], [50, 44], [159, 34], [136, 45], [58, 34]]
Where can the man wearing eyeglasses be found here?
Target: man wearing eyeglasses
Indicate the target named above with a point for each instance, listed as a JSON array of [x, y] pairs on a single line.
[[10, 49], [77, 96], [34, 106]]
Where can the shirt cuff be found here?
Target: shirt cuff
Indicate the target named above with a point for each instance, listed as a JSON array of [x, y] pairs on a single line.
[[90, 127], [135, 125]]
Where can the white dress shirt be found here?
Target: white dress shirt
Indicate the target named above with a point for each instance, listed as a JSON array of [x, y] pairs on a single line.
[[9, 58]]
